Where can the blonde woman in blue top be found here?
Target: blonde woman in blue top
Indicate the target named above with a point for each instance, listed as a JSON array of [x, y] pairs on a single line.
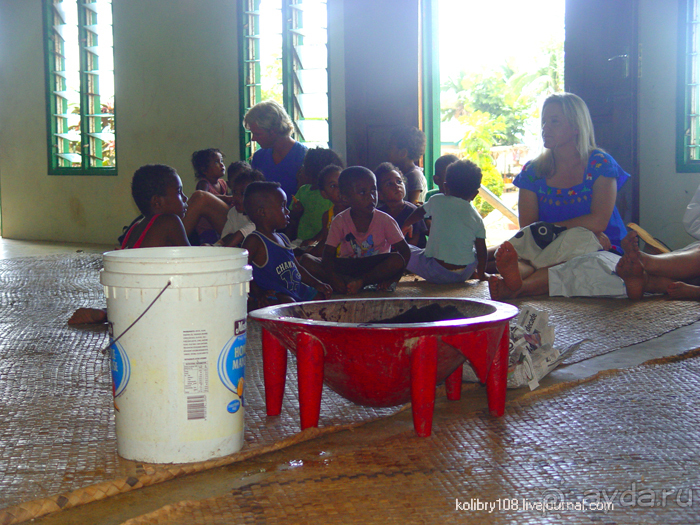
[[572, 183]]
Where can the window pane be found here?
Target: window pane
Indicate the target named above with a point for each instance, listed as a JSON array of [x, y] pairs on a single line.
[[99, 80], [310, 66], [271, 50], [313, 81], [65, 82], [287, 63], [81, 73]]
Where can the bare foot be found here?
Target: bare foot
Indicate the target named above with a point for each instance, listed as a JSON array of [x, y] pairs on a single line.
[[681, 290], [338, 284], [88, 316], [498, 288], [630, 243], [354, 286], [388, 286], [507, 264], [630, 268]]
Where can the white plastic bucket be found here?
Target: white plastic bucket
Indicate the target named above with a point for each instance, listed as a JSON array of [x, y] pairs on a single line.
[[178, 372]]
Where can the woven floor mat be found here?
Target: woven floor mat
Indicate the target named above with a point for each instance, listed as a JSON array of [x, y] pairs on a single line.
[[609, 324], [56, 417], [56, 422], [621, 448]]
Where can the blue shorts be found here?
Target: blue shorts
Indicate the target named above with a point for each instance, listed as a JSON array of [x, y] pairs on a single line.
[[434, 272]]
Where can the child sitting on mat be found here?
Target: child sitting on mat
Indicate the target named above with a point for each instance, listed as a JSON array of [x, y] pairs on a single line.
[[441, 165], [392, 190], [209, 170], [456, 230], [366, 237], [309, 204], [276, 276], [406, 147], [157, 191], [328, 185], [238, 224], [167, 218]]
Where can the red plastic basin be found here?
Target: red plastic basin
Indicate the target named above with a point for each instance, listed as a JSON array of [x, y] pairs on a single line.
[[383, 364]]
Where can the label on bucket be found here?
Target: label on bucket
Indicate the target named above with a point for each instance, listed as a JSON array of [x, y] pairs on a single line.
[[231, 365], [121, 369]]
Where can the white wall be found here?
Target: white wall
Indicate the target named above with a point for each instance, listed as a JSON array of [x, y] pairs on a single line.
[[663, 192], [177, 91]]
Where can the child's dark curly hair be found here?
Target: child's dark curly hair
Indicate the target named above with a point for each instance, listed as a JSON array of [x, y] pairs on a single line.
[[325, 172], [148, 181], [463, 178], [248, 176], [384, 168], [349, 175], [443, 162], [318, 158], [236, 168], [411, 139], [201, 159], [256, 195]]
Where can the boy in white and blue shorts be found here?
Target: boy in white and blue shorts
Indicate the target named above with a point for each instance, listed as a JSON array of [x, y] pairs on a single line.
[[457, 242]]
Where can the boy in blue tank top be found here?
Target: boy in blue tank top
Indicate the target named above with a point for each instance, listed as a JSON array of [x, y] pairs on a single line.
[[276, 276]]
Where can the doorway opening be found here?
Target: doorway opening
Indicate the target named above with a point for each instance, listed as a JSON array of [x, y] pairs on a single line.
[[498, 62]]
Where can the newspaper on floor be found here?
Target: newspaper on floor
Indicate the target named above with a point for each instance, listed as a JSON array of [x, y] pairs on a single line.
[[532, 354]]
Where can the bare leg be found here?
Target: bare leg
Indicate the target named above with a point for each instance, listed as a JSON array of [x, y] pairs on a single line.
[[637, 279], [314, 267], [386, 270], [517, 277], [205, 205], [676, 266], [681, 291], [88, 316], [537, 283]]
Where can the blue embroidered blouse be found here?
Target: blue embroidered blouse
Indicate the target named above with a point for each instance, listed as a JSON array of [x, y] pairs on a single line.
[[560, 204]]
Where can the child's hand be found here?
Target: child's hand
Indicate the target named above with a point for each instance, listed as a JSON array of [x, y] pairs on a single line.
[[297, 209], [324, 289], [407, 231], [482, 276]]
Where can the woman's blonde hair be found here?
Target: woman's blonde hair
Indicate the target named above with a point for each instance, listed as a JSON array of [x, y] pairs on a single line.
[[578, 117], [270, 116]]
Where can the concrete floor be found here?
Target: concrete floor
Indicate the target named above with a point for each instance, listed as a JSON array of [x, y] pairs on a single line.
[[117, 509]]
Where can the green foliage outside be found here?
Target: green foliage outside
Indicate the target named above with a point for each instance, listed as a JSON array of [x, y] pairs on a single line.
[[271, 81], [482, 133], [493, 109]]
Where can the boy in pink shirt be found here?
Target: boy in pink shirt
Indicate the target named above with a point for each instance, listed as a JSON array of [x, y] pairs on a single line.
[[366, 237]]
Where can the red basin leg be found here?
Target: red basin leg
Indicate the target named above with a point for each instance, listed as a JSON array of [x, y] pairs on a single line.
[[497, 379], [453, 384], [423, 380], [310, 371], [274, 372]]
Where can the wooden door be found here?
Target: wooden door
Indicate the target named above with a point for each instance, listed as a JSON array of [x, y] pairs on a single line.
[[601, 66]]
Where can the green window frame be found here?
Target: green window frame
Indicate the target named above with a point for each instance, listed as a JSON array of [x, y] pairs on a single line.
[[79, 62], [295, 33], [430, 86], [688, 85]]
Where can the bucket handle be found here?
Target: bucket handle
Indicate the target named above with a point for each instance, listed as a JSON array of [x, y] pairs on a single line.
[[104, 350]]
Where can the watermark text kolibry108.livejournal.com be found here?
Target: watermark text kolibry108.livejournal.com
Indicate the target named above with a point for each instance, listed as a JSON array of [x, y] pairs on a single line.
[[596, 500]]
